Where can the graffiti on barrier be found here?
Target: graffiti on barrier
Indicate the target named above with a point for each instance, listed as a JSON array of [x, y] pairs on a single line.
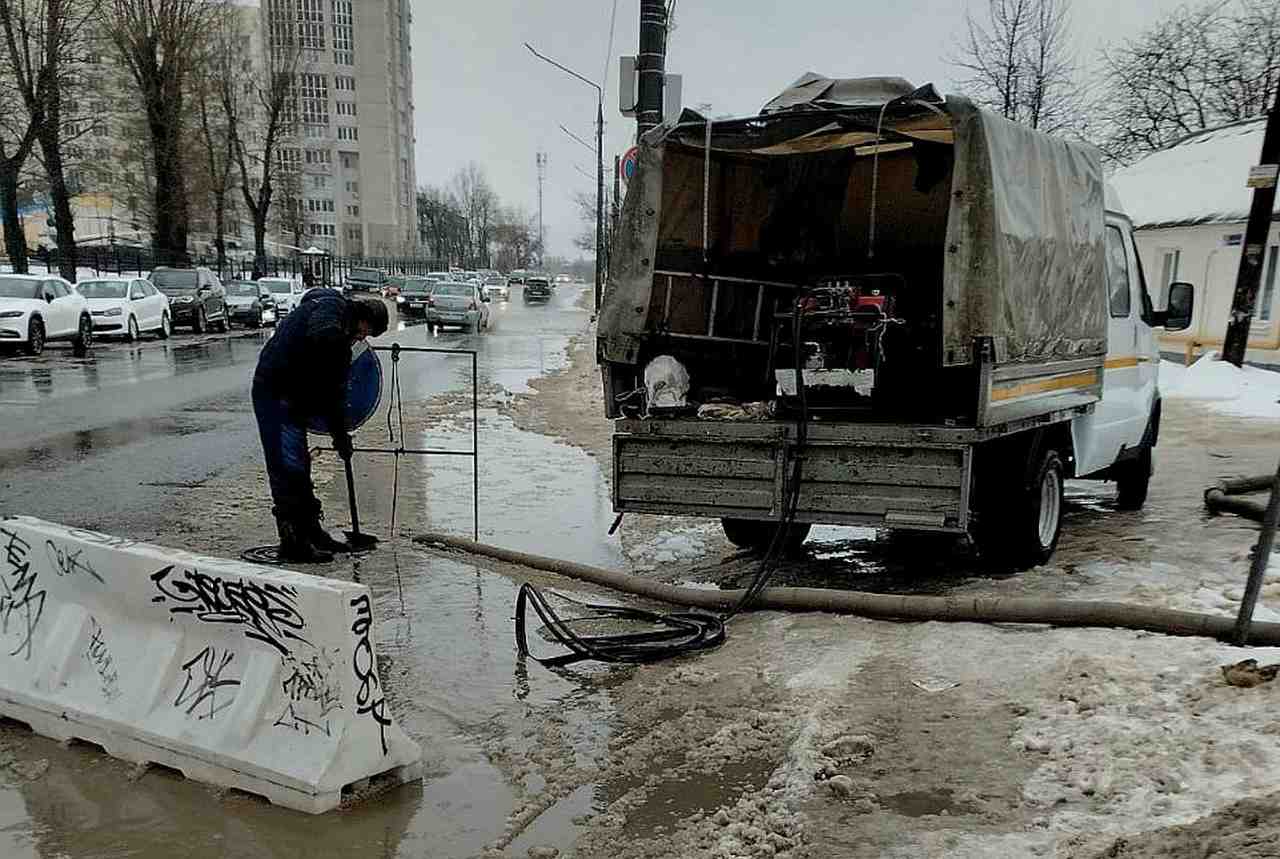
[[70, 562], [20, 603], [369, 698], [97, 539], [266, 611], [311, 692], [203, 682], [99, 655]]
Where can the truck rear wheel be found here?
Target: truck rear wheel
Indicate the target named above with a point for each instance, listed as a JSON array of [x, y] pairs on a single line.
[[758, 535], [1020, 527]]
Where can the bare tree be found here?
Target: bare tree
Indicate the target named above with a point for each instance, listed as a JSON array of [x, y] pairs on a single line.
[[1196, 68], [17, 139], [218, 71], [45, 41], [258, 144], [478, 205], [515, 237], [1018, 62], [160, 41]]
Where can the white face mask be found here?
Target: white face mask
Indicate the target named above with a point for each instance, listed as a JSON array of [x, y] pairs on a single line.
[[666, 382]]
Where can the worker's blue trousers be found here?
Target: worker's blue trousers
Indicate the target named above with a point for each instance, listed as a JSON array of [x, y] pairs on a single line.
[[284, 448]]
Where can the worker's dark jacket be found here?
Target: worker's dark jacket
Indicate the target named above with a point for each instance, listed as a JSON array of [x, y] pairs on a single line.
[[306, 361]]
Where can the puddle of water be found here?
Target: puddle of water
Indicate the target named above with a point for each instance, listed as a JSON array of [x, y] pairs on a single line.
[[537, 495], [925, 803], [691, 792]]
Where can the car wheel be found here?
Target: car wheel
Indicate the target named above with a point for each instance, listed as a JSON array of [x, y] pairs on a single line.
[[1133, 479], [35, 338], [84, 337], [166, 326], [225, 325], [132, 333], [1029, 519], [201, 324]]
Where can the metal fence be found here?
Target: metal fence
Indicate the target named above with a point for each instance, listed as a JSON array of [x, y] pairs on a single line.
[[328, 270]]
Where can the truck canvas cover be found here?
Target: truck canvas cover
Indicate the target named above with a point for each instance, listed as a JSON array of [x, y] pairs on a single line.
[[1004, 224]]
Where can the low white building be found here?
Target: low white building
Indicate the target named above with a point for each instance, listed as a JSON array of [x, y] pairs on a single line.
[[1189, 204]]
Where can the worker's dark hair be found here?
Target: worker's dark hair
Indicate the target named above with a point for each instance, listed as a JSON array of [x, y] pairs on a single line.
[[370, 310]]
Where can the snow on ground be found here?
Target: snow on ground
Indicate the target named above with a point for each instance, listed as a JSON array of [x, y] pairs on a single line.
[[1243, 391]]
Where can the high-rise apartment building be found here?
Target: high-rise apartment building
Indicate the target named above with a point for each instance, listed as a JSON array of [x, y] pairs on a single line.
[[354, 140]]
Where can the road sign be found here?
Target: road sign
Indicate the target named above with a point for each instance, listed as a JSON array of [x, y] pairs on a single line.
[[627, 166]]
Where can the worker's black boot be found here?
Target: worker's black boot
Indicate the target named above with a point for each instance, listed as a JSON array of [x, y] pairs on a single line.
[[296, 547], [319, 537]]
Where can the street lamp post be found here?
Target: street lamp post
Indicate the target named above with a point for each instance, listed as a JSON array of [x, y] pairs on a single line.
[[600, 251]]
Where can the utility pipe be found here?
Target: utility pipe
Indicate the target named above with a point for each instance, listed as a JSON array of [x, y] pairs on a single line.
[[1054, 612]]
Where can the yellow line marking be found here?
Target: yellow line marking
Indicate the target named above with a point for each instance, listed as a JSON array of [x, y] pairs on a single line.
[[1044, 386]]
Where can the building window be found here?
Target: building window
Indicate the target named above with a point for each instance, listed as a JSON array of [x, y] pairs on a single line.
[[346, 108], [1267, 296], [353, 188], [319, 156], [345, 83], [315, 99], [348, 133], [319, 182], [343, 33], [311, 25], [287, 158], [319, 205], [353, 211], [349, 161]]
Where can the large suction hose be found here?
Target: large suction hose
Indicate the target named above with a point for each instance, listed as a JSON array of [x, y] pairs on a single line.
[[1054, 612]]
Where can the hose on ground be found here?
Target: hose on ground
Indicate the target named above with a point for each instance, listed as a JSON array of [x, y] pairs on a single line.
[[1053, 612], [1220, 498]]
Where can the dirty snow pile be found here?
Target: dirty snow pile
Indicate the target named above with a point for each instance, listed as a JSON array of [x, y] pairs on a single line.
[[1243, 391]]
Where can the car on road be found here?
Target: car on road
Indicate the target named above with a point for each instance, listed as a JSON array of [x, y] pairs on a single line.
[[562, 278], [252, 303], [36, 309], [496, 286], [126, 306], [285, 291], [196, 297], [366, 280], [456, 303], [537, 288], [415, 293]]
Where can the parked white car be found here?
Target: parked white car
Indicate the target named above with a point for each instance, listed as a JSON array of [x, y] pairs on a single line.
[[35, 309], [127, 306], [286, 291]]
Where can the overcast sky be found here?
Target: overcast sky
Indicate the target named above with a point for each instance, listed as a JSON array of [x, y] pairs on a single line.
[[480, 96]]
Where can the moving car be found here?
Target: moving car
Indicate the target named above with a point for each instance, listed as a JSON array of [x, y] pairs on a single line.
[[196, 297], [35, 309], [251, 302], [285, 291], [496, 287], [537, 288], [415, 293], [126, 306], [458, 304], [366, 280]]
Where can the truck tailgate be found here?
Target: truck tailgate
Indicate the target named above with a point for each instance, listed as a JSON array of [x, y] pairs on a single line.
[[697, 468]]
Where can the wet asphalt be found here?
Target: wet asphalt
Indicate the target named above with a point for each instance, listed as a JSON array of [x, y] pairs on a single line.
[[91, 441]]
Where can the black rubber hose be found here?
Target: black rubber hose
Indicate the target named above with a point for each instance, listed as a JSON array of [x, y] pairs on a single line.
[[1054, 612]]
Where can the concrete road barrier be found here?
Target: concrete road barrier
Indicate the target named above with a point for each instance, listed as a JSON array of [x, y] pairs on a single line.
[[238, 675]]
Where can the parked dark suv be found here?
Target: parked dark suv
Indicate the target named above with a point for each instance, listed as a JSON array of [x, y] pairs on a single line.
[[196, 297]]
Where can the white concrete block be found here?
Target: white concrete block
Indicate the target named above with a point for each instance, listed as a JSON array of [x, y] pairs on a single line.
[[243, 676]]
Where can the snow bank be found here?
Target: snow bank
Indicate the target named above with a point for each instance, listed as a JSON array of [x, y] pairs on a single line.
[[1243, 391]]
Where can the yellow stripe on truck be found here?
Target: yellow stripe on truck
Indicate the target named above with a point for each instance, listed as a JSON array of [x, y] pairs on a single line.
[[1124, 361], [1014, 390]]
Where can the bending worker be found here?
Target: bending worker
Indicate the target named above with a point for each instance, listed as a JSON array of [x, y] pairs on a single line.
[[301, 375]]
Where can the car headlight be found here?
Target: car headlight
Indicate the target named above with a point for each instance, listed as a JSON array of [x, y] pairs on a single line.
[[399, 299], [12, 314], [183, 299], [112, 311]]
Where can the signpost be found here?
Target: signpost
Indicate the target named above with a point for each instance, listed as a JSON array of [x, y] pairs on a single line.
[[627, 166]]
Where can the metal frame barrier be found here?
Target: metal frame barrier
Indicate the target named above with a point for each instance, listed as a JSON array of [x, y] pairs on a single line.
[[399, 450]]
